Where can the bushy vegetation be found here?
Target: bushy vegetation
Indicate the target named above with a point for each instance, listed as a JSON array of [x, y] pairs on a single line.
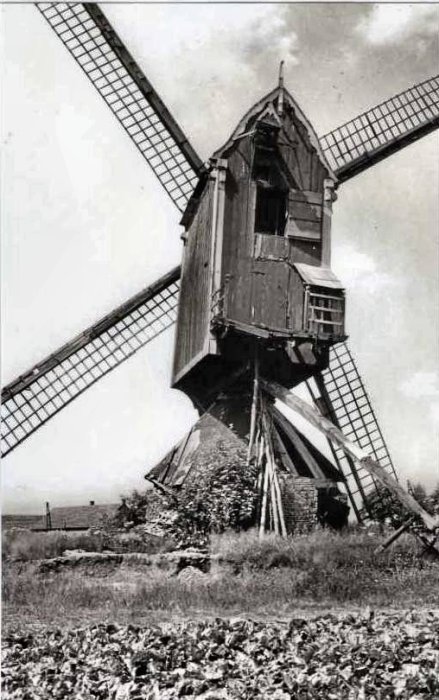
[[369, 654], [385, 508], [140, 507], [24, 545], [220, 493], [322, 549]]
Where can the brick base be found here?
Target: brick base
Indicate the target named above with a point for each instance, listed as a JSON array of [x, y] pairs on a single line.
[[300, 503]]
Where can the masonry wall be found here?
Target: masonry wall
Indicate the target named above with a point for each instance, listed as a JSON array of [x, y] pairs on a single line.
[[300, 503]]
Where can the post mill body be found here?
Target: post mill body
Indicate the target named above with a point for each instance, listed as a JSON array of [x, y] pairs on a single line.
[[256, 264]]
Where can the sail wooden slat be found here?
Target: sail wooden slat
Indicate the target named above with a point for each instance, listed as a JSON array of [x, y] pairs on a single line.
[[37, 395], [97, 49], [376, 134]]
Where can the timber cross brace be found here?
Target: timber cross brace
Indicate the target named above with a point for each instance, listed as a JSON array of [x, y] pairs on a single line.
[[359, 457]]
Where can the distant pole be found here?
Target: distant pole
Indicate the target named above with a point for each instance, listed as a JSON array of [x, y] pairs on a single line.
[[48, 517]]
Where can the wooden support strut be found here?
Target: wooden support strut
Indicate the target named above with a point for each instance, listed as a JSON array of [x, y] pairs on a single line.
[[254, 407], [161, 487], [271, 472], [264, 493], [357, 454], [394, 536]]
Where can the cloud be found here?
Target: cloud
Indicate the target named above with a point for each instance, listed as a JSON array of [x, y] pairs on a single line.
[[424, 386], [359, 271], [421, 385], [390, 23], [251, 54], [434, 412], [228, 54]]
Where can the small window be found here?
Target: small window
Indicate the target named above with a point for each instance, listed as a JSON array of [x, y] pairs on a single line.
[[325, 312], [270, 215]]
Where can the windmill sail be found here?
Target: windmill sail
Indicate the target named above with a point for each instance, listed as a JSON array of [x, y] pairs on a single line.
[[376, 134], [342, 397], [95, 46], [36, 396]]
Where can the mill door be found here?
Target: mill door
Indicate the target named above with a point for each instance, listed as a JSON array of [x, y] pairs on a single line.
[[270, 273], [288, 229]]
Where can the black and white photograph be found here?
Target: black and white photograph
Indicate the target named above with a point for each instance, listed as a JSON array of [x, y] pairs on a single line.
[[220, 340]]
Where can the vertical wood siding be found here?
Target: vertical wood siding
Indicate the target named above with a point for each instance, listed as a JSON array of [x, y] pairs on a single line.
[[258, 282], [260, 287], [195, 298], [296, 295], [238, 234]]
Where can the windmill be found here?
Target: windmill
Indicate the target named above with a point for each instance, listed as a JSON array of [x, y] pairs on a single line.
[[42, 392]]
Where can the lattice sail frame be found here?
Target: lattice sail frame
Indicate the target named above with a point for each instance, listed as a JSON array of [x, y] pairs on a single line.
[[88, 36], [342, 397], [382, 130], [35, 397]]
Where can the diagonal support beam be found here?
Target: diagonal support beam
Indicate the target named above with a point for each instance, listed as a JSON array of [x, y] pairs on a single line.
[[298, 444], [357, 454]]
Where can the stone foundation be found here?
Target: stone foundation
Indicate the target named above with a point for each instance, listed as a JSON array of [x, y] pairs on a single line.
[[300, 503]]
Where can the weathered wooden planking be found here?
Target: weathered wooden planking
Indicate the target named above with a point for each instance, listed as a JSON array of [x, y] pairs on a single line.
[[255, 280], [305, 230], [357, 454], [270, 281], [267, 247], [270, 294], [195, 298], [305, 215], [296, 294], [300, 156], [239, 234], [303, 251]]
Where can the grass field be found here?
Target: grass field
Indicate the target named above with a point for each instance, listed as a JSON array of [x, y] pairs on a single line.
[[269, 578], [315, 617]]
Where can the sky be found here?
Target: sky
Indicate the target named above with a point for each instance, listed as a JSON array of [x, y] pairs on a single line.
[[85, 224]]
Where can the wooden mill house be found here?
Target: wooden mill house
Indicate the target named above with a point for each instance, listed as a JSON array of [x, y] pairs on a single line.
[[258, 294]]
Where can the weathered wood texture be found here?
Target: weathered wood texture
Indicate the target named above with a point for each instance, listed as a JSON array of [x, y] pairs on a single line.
[[296, 296], [238, 234], [299, 155], [195, 298], [309, 252], [260, 288], [305, 215], [210, 433], [273, 216], [358, 455]]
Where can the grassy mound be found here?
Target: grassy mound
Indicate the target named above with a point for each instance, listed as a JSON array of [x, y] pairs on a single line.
[[248, 576]]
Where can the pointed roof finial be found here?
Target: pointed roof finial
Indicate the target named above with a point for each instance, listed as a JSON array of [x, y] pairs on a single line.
[[281, 74], [280, 101]]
